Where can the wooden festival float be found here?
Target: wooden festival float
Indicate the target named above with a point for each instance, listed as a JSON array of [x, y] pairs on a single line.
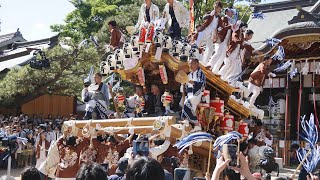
[[157, 61]]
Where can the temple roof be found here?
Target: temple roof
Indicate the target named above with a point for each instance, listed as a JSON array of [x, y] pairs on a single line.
[[7, 39], [283, 19], [21, 52]]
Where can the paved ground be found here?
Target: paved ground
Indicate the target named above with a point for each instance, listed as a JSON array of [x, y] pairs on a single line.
[[285, 172], [16, 173]]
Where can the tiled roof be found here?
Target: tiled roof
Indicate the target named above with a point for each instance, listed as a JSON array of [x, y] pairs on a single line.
[[7, 37], [21, 52], [276, 19]]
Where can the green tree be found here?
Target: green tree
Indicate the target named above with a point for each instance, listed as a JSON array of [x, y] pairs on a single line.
[[88, 17], [63, 77]]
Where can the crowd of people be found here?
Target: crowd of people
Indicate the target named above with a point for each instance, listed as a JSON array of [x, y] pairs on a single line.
[[37, 134], [143, 168], [113, 157]]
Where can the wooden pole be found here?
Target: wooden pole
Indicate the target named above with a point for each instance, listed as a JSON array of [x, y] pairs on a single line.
[[238, 159], [304, 159], [209, 159], [125, 130], [128, 122], [183, 94], [286, 117]]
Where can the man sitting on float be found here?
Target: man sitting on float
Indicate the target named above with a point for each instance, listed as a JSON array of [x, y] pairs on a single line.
[[96, 97], [135, 104], [154, 106], [194, 87]]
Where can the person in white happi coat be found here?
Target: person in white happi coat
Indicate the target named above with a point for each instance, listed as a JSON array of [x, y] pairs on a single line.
[[56, 134], [221, 46], [195, 86], [232, 60], [42, 150], [208, 32], [149, 12], [177, 17]]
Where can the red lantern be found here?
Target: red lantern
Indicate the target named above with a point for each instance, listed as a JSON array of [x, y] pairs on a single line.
[[120, 99], [243, 129], [218, 105], [142, 35], [227, 124]]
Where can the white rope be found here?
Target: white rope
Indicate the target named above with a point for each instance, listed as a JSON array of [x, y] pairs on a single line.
[[87, 130], [129, 123], [167, 128]]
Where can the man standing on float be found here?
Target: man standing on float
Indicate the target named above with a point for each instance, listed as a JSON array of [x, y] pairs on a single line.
[[224, 35], [233, 51], [208, 32], [194, 87], [257, 78], [177, 17], [149, 12]]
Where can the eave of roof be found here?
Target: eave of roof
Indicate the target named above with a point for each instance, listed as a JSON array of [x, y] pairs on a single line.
[[11, 37], [275, 24], [283, 5], [24, 48]]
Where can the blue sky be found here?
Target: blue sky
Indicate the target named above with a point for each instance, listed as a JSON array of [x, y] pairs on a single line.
[[34, 17]]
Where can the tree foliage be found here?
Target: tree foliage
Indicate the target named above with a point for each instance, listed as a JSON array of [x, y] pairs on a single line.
[[89, 17], [63, 77]]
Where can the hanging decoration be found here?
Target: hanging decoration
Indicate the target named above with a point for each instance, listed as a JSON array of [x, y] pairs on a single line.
[[139, 104], [279, 55], [227, 124], [120, 99], [166, 100], [205, 99], [293, 70], [141, 76], [272, 41], [163, 74], [224, 139], [258, 15], [218, 104], [192, 139], [150, 33], [143, 33], [284, 66], [305, 68], [243, 129]]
